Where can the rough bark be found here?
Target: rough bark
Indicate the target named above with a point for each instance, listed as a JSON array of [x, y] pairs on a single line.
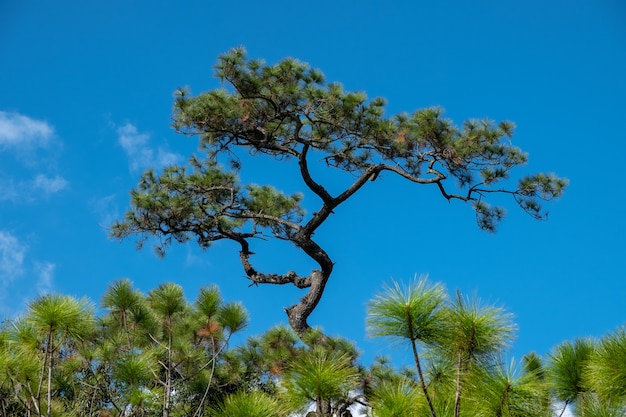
[[316, 282]]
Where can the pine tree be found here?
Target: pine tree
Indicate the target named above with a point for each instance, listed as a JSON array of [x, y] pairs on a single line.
[[287, 111]]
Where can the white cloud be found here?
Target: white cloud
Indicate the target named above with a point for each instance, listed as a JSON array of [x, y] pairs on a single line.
[[11, 258], [165, 158], [21, 277], [31, 141], [49, 185], [140, 154], [21, 132], [45, 272], [30, 190]]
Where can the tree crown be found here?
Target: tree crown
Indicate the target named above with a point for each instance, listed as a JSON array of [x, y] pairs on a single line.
[[289, 112]]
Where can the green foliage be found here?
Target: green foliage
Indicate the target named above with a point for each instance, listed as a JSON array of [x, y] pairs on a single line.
[[268, 204], [476, 333], [567, 364], [179, 205], [412, 313], [206, 204], [397, 398], [249, 404], [460, 367], [507, 392], [233, 317], [606, 370], [60, 325], [278, 109], [167, 300], [157, 354], [208, 301], [461, 343], [135, 369], [320, 376], [52, 314], [597, 407]]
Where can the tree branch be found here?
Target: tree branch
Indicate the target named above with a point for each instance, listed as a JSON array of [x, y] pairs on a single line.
[[274, 219], [306, 175]]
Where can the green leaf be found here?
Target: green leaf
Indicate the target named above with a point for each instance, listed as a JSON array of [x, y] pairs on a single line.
[[411, 313], [233, 316]]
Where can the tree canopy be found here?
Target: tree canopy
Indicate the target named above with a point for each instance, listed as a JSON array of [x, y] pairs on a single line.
[[288, 111], [157, 354]]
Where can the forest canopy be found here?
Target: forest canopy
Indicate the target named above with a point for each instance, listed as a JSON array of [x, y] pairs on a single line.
[[158, 354]]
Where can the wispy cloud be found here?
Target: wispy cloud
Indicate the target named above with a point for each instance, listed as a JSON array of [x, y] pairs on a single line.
[[32, 189], [49, 185], [45, 281], [34, 143], [21, 132], [12, 253], [141, 154], [17, 267]]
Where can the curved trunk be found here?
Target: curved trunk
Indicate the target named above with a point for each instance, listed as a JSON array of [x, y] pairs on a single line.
[[299, 313], [316, 281]]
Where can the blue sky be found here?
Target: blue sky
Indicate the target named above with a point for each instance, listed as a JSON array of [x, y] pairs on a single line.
[[85, 106]]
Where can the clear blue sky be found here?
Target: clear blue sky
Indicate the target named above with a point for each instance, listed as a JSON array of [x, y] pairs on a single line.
[[85, 105]]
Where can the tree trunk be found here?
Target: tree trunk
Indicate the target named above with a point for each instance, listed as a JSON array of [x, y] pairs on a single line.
[[168, 371], [316, 282], [299, 313], [50, 354], [325, 409], [457, 395]]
